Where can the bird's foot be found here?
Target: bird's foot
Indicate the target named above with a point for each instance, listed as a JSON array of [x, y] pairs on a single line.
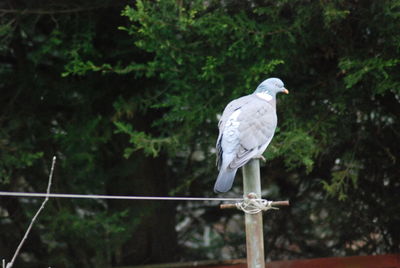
[[261, 157]]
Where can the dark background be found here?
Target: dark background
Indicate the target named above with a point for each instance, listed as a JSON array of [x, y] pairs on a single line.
[[126, 94]]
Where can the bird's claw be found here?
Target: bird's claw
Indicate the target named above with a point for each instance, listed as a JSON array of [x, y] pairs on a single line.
[[261, 157]]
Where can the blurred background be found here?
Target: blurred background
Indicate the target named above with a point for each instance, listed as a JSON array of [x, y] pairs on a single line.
[[127, 95]]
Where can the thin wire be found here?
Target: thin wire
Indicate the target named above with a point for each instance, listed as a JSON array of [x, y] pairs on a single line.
[[22, 194]]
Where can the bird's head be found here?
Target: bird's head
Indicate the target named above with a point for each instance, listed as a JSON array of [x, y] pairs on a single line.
[[271, 86]]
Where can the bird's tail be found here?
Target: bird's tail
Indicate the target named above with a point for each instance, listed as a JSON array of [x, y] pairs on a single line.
[[225, 180]]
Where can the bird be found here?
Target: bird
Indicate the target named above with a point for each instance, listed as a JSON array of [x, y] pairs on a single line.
[[246, 128]]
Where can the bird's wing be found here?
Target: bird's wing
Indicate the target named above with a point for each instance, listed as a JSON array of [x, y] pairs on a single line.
[[257, 124], [228, 111], [230, 108]]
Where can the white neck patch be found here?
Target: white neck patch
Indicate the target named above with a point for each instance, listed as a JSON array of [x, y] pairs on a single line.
[[264, 96]]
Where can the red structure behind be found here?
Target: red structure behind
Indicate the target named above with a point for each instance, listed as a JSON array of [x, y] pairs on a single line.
[[378, 261]]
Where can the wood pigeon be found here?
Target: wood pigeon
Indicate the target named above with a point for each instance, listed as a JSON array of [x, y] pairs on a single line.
[[246, 127]]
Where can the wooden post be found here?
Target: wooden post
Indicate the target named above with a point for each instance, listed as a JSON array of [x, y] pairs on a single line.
[[254, 222]]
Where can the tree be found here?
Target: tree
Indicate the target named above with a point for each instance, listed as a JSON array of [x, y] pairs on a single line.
[[45, 111], [134, 111]]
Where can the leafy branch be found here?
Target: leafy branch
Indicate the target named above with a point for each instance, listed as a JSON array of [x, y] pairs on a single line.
[[140, 140]]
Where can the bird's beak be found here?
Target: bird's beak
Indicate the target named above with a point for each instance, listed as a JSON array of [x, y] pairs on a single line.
[[285, 91]]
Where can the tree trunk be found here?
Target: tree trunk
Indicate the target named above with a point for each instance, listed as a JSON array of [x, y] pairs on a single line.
[[153, 237]]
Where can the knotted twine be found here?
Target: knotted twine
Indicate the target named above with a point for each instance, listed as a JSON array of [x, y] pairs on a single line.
[[253, 205]]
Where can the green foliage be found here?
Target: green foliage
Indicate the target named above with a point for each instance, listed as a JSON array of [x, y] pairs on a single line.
[[82, 226], [14, 161], [15, 155], [344, 175], [208, 54], [140, 140], [296, 147], [333, 14], [378, 68], [196, 74]]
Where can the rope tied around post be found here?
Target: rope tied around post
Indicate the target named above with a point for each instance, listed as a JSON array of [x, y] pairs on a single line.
[[253, 205]]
